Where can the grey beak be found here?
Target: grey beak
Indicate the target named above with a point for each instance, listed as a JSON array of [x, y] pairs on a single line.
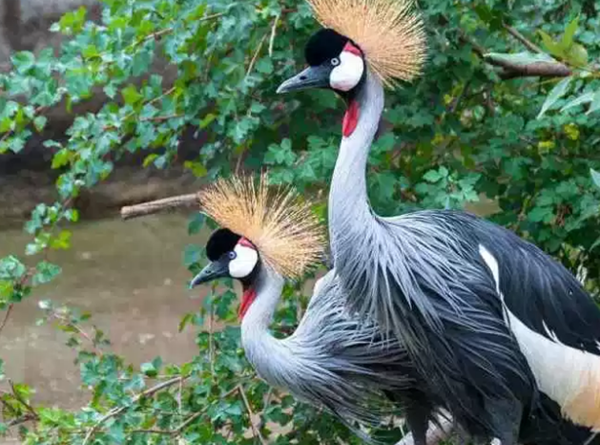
[[214, 270], [311, 77]]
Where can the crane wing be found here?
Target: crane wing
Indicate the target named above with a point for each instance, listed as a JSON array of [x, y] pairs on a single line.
[[540, 291]]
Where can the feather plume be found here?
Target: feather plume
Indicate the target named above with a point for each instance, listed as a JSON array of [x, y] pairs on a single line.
[[285, 231], [388, 32]]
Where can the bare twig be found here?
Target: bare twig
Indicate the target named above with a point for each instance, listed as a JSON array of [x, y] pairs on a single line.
[[20, 420], [238, 163], [460, 97], [180, 397], [6, 315], [521, 38], [273, 31], [22, 401], [175, 432], [256, 430], [266, 404], [116, 411], [151, 207], [159, 118], [211, 346], [81, 332], [255, 56]]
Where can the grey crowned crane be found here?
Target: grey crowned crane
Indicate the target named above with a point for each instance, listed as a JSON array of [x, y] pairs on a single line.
[[521, 362], [332, 360]]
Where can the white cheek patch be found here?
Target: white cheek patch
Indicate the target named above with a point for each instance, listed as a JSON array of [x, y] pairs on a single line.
[[243, 264], [348, 73]]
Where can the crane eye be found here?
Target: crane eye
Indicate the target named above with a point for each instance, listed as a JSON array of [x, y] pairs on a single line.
[[232, 255], [335, 61]]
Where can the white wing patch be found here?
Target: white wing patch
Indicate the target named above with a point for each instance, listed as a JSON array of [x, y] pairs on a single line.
[[348, 73], [569, 376], [243, 264]]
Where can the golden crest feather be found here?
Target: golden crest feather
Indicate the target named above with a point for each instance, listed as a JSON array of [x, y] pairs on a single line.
[[389, 33], [285, 231]]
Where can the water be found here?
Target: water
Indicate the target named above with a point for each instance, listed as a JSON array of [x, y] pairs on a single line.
[[130, 276]]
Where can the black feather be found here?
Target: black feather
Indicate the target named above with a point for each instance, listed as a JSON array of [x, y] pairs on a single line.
[[324, 45], [221, 241]]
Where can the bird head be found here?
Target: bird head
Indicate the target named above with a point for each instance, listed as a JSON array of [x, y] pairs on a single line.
[[261, 227], [334, 62], [231, 256], [384, 37]]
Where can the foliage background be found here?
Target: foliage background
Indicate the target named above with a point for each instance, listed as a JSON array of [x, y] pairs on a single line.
[[457, 134]]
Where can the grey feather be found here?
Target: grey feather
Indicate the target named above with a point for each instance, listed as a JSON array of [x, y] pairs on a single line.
[[332, 360], [416, 279]]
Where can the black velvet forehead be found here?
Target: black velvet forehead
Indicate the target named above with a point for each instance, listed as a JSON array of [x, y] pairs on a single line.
[[220, 242], [323, 45]]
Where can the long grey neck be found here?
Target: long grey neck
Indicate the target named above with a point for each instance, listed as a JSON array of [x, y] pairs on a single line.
[[268, 287], [268, 355], [349, 207]]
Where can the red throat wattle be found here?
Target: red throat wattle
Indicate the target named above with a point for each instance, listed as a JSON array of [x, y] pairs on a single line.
[[248, 298], [350, 119]]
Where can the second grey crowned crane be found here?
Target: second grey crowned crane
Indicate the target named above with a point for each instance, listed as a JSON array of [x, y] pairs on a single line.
[[332, 359], [521, 362]]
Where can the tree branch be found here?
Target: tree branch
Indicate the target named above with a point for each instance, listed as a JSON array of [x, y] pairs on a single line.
[[513, 70], [256, 430], [6, 315], [116, 411], [151, 207], [535, 69], [521, 38], [32, 413]]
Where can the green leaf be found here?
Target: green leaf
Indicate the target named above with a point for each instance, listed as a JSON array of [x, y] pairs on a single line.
[[90, 52], [539, 214], [61, 158], [62, 241], [577, 55], [595, 103], [197, 168], [555, 94], [131, 95], [265, 66], [45, 273], [567, 39], [191, 255], [23, 61], [595, 177], [149, 369], [40, 122], [195, 223], [11, 267], [72, 22], [584, 98], [187, 318], [206, 120], [432, 176], [551, 46], [149, 159]]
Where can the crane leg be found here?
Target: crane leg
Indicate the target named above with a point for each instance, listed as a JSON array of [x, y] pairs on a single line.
[[505, 416], [417, 419]]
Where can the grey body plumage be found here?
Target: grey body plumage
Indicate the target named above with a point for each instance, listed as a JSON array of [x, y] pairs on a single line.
[[332, 360], [419, 275]]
